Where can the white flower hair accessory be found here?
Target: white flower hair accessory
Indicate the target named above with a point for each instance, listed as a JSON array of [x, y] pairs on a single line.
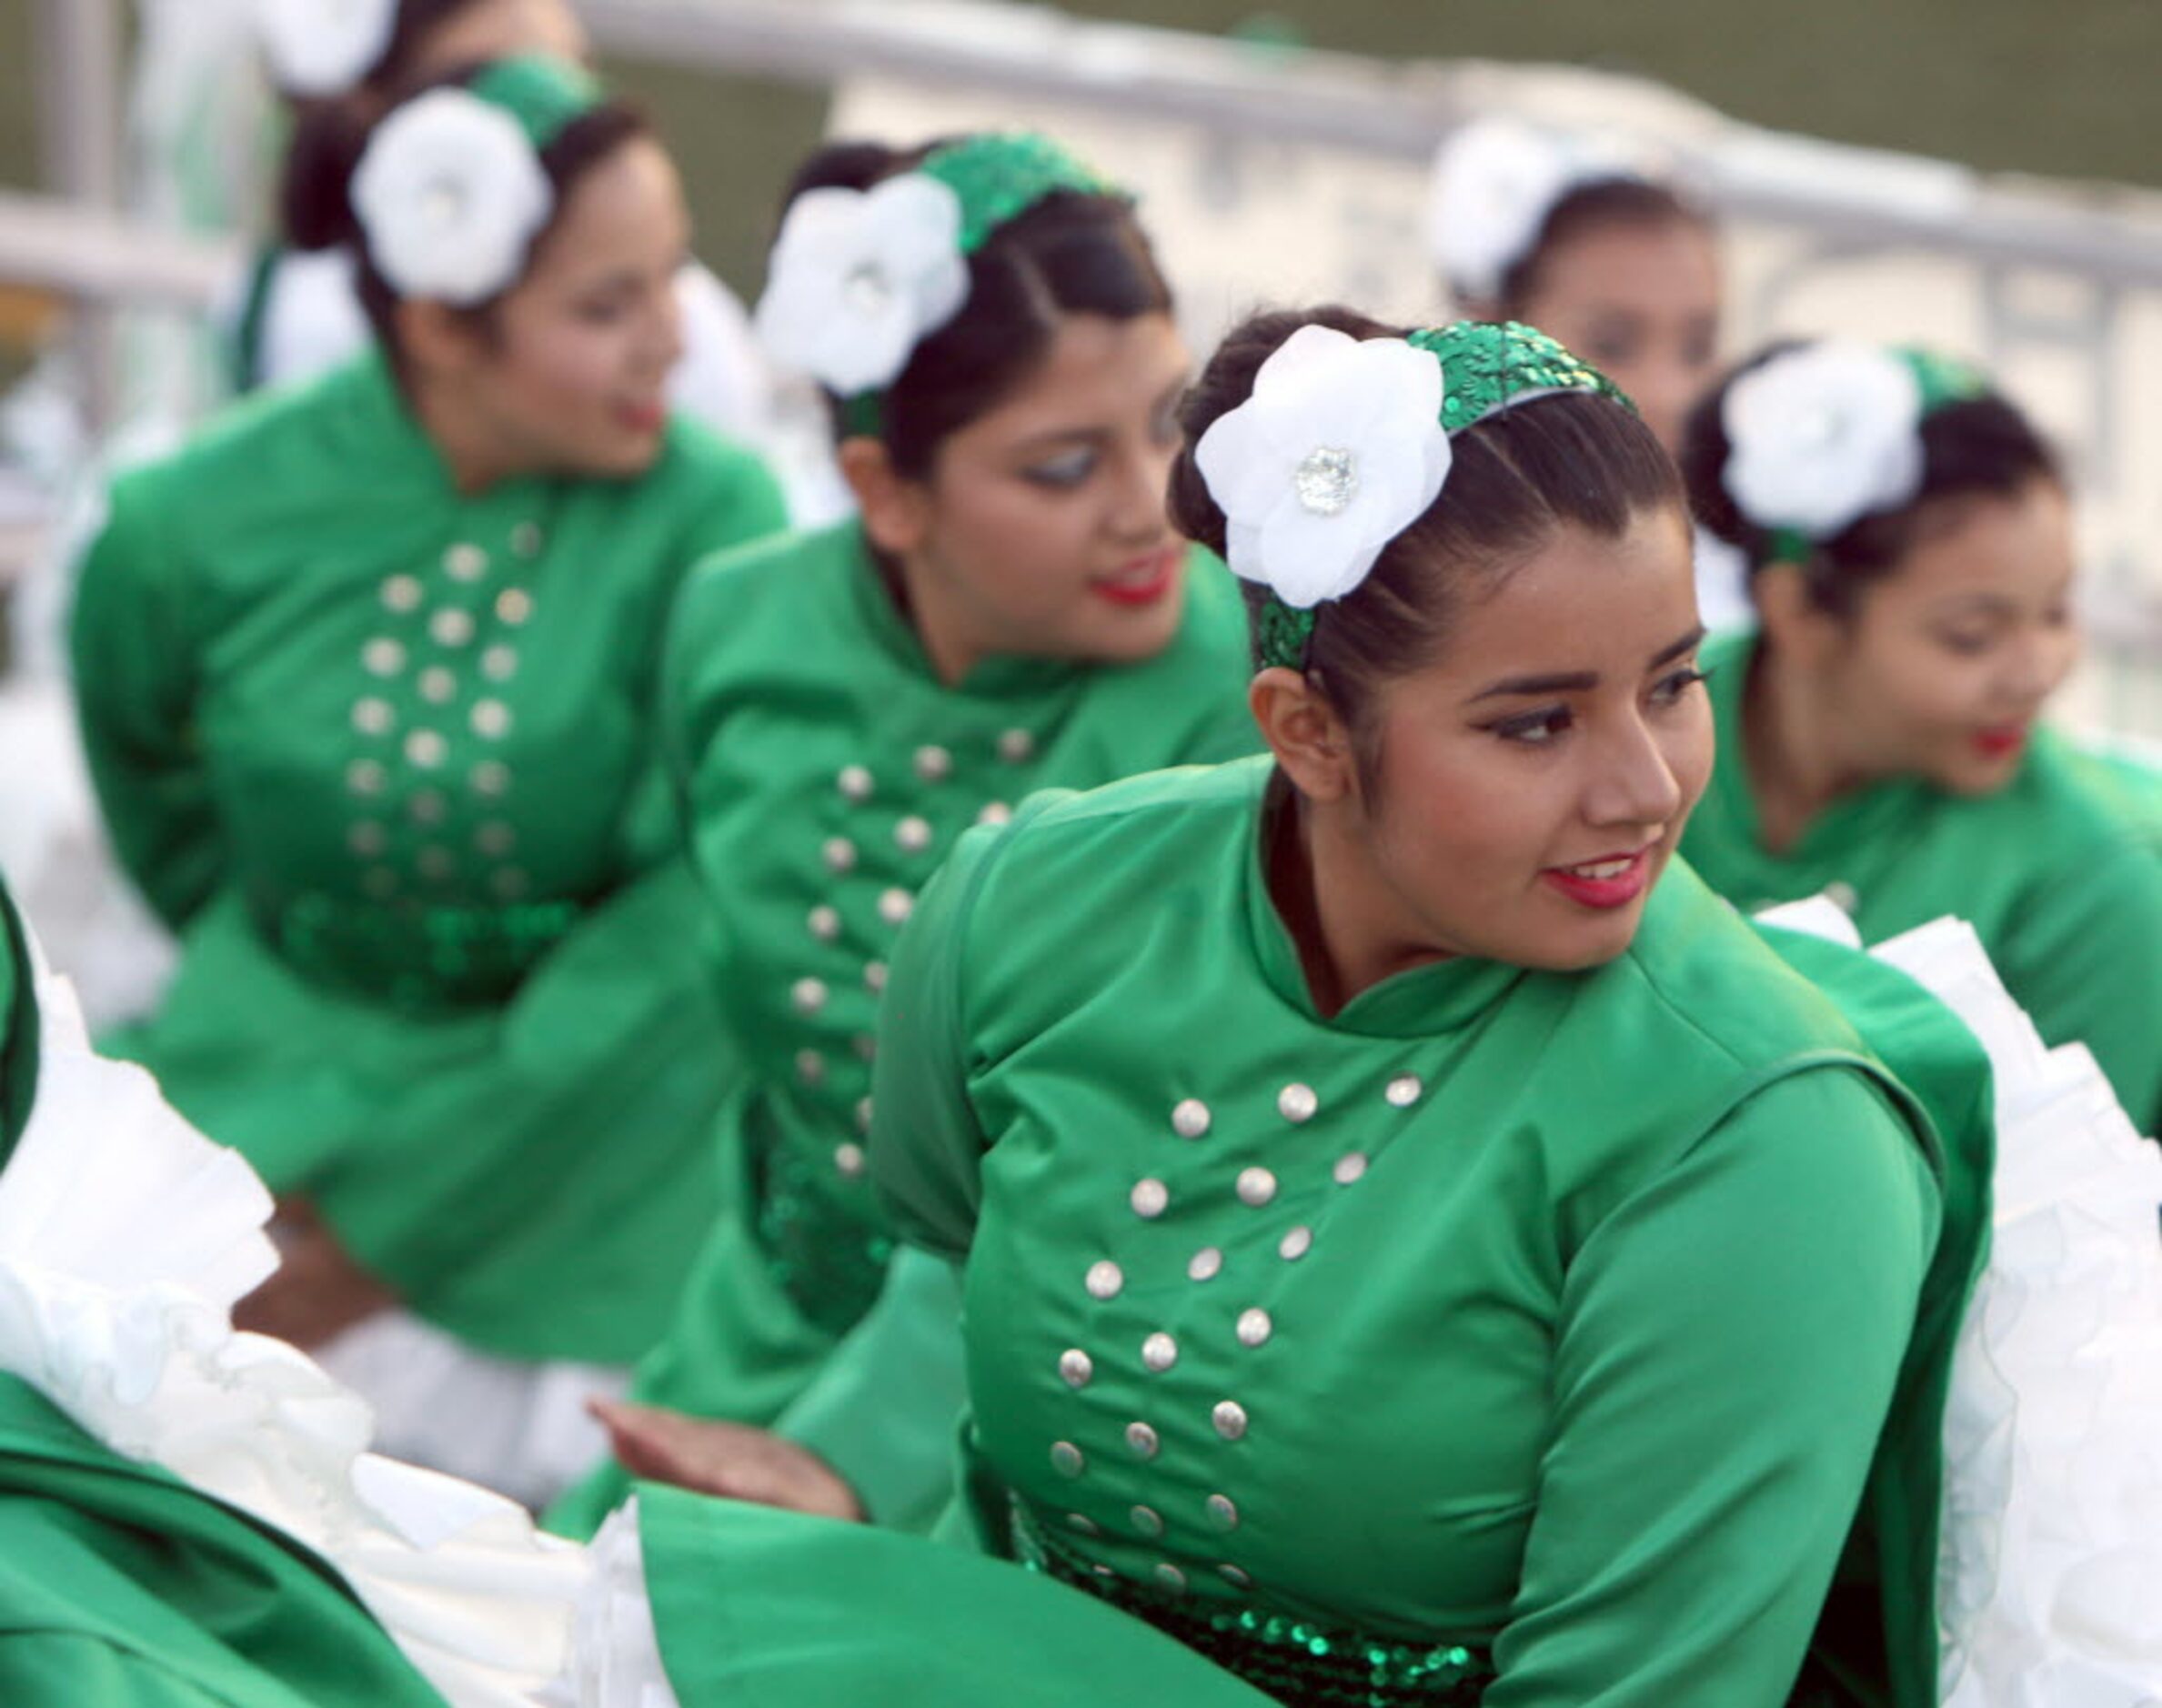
[[1822, 436], [859, 278], [1495, 181], [1340, 448], [323, 48], [450, 192]]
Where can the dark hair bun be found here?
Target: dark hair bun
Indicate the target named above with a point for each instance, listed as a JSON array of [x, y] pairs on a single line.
[[315, 196]]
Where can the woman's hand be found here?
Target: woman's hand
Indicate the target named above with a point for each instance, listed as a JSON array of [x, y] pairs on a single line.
[[318, 1291], [732, 1460]]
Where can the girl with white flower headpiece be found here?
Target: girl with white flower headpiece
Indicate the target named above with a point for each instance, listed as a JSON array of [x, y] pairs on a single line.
[[1596, 240], [1420, 1244], [1912, 545], [367, 682], [1011, 609], [340, 63]]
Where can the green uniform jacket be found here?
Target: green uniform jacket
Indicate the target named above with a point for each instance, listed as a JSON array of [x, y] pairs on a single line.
[[2059, 872], [826, 772], [384, 754], [1554, 1318], [120, 1587]]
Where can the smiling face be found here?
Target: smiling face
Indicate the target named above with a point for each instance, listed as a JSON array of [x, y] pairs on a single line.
[[1948, 661], [572, 374], [1639, 301], [1525, 789], [1040, 528]]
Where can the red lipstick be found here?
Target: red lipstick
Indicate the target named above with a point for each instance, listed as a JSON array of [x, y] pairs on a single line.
[[1612, 880], [1141, 581]]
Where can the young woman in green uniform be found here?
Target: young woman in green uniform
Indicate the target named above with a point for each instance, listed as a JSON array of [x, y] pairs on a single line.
[[1420, 1244], [368, 680], [1879, 741], [1010, 610]]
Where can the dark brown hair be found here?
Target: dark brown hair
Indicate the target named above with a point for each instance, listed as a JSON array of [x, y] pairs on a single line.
[[1572, 460], [1602, 205], [1070, 254], [1978, 448]]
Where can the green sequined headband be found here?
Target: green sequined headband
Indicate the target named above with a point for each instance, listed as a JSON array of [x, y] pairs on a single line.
[[544, 95], [1487, 368]]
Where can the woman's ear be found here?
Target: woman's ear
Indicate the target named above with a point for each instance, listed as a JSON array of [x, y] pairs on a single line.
[[1302, 729], [437, 340], [896, 510], [1792, 622]]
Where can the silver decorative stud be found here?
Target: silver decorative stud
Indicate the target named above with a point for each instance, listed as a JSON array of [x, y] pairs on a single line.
[[895, 906], [1842, 896], [912, 834], [1295, 1244], [367, 839], [866, 1046], [1403, 1090], [494, 838], [465, 562], [498, 663], [1105, 1279], [1076, 1366], [1326, 480], [1223, 1514], [438, 685], [435, 862], [1231, 1574], [373, 717], [1160, 1352], [1067, 1460], [402, 594], [810, 1066], [1148, 1199], [1256, 1187], [1189, 1118], [527, 539], [1171, 1577], [824, 923], [491, 719], [1229, 1418], [854, 783], [874, 976], [513, 606], [1349, 1167], [1256, 1327], [427, 806], [840, 854], [1015, 745], [1205, 1264], [425, 749], [1081, 1525], [450, 626], [863, 1113], [1297, 1102], [848, 1160], [994, 812], [491, 778], [1147, 1520], [933, 764], [383, 657], [366, 777], [1143, 1440], [807, 995], [510, 883]]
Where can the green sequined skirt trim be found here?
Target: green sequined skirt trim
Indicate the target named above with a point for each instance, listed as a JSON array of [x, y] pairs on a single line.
[[1293, 1660]]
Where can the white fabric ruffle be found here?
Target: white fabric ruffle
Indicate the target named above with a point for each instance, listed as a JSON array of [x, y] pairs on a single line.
[[126, 1238], [615, 1650], [2050, 1572]]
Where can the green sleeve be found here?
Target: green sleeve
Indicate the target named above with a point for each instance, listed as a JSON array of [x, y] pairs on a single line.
[[883, 1409], [926, 1147], [2085, 961], [135, 660], [70, 1666], [1727, 1348]]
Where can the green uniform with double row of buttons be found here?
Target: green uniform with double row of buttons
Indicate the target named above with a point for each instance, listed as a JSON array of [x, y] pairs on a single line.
[[384, 754], [2059, 872], [1513, 1338], [827, 772]]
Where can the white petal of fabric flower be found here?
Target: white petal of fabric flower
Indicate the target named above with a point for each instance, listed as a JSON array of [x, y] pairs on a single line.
[[323, 48], [1495, 183], [1339, 449], [1822, 436], [451, 195], [859, 278]]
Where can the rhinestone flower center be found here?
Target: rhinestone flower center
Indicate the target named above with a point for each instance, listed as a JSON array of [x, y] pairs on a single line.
[[1326, 480]]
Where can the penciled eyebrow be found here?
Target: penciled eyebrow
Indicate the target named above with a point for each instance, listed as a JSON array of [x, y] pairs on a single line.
[[1059, 438], [1579, 682]]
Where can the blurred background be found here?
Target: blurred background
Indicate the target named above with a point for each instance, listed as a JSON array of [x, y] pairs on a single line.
[[1980, 173]]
